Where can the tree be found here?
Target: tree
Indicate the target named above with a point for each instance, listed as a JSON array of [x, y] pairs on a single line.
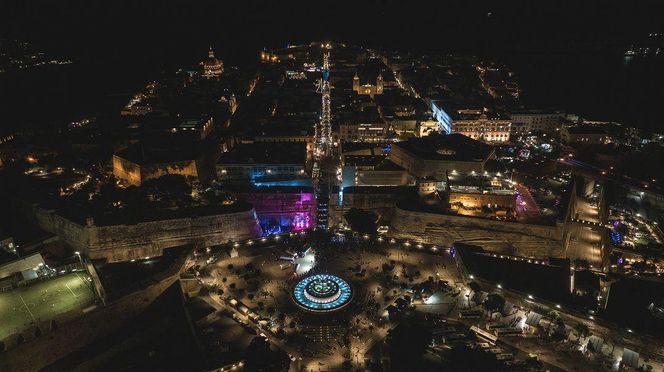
[[259, 357], [494, 303], [559, 330], [361, 221], [462, 357], [170, 189], [474, 287], [551, 316], [407, 343], [582, 331]]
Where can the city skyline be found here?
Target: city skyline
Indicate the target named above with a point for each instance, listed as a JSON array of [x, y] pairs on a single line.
[[384, 186]]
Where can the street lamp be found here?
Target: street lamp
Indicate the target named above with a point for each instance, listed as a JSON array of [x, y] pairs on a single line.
[[78, 254]]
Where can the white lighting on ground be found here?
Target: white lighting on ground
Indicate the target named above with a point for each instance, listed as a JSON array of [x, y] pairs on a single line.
[[499, 286], [530, 297]]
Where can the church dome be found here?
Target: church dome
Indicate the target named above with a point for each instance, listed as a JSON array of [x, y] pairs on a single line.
[[212, 66]]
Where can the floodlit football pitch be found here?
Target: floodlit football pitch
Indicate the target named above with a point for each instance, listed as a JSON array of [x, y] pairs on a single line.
[[43, 301]]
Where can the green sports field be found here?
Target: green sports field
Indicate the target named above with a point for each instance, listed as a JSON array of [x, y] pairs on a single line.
[[43, 301]]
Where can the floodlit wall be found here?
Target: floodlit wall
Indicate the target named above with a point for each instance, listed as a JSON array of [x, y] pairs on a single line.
[[524, 239], [148, 239]]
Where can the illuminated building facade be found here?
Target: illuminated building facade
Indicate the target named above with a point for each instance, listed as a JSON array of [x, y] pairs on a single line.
[[263, 161], [200, 128], [137, 164], [368, 89], [477, 125], [363, 132], [443, 118], [585, 135], [282, 209], [212, 67], [524, 122], [475, 198]]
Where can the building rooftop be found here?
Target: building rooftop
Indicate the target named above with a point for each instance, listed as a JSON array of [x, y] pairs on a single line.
[[374, 148], [142, 153], [283, 129], [452, 147], [388, 165], [587, 129], [363, 160], [266, 153], [193, 123], [398, 190]]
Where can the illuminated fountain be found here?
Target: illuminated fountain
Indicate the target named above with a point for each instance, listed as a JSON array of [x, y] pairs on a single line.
[[322, 293]]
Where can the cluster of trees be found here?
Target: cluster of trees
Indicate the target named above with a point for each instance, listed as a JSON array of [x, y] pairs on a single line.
[[166, 191], [169, 191], [407, 344], [259, 357], [361, 221]]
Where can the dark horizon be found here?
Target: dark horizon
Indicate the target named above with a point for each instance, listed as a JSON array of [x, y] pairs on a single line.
[[567, 55], [452, 26]]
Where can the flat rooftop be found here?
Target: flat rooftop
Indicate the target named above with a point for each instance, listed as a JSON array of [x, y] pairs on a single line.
[[451, 147], [363, 160], [141, 153], [587, 129], [397, 190], [266, 153]]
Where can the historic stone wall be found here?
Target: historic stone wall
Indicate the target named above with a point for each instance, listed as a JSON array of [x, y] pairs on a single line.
[[135, 174], [148, 239], [126, 170], [518, 238]]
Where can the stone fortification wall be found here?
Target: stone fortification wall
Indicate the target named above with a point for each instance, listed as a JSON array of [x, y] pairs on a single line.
[[516, 238], [122, 242]]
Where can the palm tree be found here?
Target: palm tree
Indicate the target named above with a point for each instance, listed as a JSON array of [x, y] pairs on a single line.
[[474, 288], [582, 331], [551, 316], [494, 303]]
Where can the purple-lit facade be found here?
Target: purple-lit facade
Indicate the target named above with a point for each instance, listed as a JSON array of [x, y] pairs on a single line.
[[283, 209]]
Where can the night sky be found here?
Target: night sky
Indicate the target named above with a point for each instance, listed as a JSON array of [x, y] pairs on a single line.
[[122, 44]]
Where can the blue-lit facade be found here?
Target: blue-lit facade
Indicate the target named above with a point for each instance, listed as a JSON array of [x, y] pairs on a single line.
[[443, 118]]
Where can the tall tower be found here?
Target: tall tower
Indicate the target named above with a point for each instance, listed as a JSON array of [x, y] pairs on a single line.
[[379, 84], [356, 82], [323, 135]]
